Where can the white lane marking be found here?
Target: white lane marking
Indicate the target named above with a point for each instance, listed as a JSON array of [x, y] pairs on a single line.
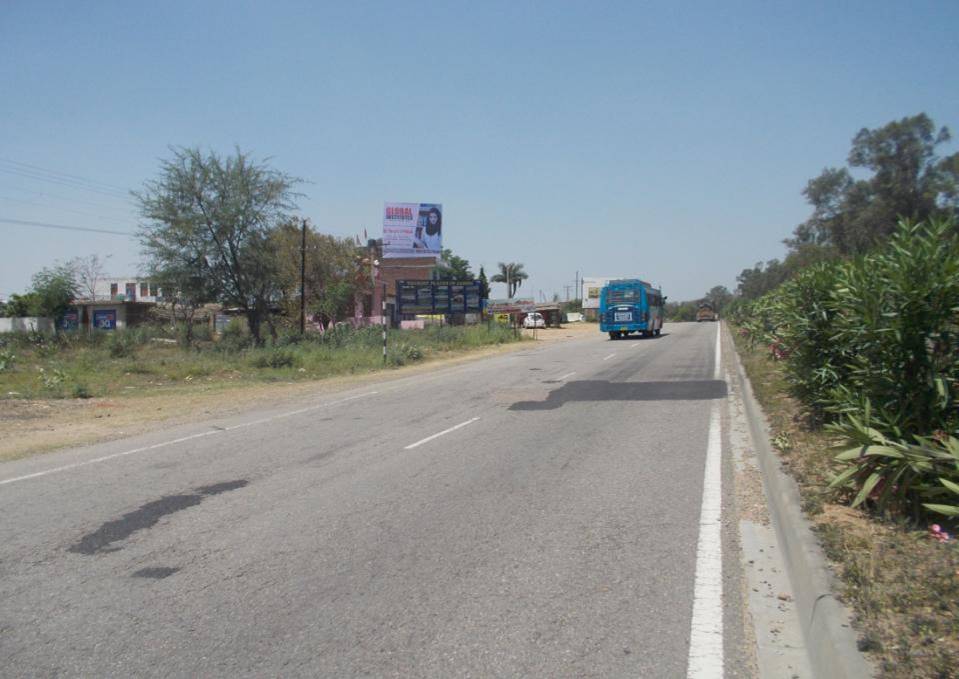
[[183, 439], [717, 368], [706, 630], [566, 376], [609, 357], [634, 345], [437, 435]]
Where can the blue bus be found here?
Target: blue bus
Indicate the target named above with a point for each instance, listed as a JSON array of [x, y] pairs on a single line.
[[630, 305]]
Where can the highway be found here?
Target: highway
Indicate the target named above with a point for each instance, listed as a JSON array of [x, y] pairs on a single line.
[[557, 511]]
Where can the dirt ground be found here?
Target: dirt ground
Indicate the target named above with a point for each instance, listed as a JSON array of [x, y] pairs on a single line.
[[29, 427]]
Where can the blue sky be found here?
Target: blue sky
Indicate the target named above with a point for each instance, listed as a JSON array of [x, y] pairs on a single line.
[[665, 140]]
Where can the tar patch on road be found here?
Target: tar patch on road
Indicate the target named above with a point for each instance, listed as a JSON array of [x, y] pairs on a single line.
[[146, 517], [156, 573], [601, 390]]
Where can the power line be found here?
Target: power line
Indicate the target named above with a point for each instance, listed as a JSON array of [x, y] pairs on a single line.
[[45, 225], [64, 182], [65, 209], [37, 168], [93, 203]]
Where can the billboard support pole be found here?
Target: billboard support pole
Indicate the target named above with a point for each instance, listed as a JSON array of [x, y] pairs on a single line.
[[383, 319]]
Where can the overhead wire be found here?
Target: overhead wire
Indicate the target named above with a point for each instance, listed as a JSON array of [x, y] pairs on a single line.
[[66, 175], [65, 227], [58, 208]]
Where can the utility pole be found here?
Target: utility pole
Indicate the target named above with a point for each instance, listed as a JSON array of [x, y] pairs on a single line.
[[576, 294], [303, 280]]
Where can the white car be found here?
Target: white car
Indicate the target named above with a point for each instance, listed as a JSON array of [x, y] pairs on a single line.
[[534, 320]]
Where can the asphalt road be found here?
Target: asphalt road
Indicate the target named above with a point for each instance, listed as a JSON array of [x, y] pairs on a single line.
[[550, 531]]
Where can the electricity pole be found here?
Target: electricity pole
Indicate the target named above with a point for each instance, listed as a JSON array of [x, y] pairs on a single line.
[[303, 280]]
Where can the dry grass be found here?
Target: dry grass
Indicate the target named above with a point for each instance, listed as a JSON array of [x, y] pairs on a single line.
[[902, 585]]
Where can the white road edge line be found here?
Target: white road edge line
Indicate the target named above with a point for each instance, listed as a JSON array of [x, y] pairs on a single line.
[[566, 376], [706, 630], [717, 366], [437, 435], [609, 357], [182, 439]]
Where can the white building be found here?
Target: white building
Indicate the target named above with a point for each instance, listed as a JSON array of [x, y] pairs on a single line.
[[125, 288]]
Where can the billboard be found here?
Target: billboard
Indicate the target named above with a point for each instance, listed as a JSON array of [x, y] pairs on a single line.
[[438, 297], [515, 305], [412, 230]]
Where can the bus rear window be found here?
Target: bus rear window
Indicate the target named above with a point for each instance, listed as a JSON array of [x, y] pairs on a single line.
[[614, 296]]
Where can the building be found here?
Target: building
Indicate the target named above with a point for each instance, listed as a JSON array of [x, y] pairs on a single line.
[[125, 288]]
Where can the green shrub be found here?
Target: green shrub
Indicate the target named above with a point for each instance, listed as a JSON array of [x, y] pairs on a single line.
[[7, 359], [273, 358], [123, 343], [81, 390]]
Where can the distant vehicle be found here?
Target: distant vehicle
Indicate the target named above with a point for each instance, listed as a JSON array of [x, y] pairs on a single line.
[[630, 305], [705, 312], [534, 319]]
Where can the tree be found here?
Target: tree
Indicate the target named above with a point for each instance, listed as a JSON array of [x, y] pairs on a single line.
[[55, 288], [89, 272], [186, 287], [452, 267], [512, 275], [213, 217], [908, 181], [718, 297], [484, 283], [335, 270]]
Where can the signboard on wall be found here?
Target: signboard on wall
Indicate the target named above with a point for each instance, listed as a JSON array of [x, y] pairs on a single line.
[[438, 297], [412, 230], [70, 320], [105, 319]]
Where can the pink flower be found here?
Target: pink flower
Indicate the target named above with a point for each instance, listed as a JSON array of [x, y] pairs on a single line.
[[936, 532]]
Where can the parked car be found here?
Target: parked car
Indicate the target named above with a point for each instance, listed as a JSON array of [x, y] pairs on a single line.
[[534, 320]]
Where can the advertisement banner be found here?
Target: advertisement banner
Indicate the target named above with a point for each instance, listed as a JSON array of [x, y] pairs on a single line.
[[412, 230], [438, 297], [515, 305]]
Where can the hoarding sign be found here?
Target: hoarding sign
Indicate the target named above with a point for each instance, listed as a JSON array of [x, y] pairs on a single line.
[[506, 306], [412, 230], [105, 319], [591, 289], [438, 297]]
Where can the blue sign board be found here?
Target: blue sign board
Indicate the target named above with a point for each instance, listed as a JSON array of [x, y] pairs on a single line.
[[105, 319]]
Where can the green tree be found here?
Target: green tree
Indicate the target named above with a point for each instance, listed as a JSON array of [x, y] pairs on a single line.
[[908, 181], [215, 216], [512, 275], [452, 267], [334, 269], [54, 289], [484, 281], [718, 297]]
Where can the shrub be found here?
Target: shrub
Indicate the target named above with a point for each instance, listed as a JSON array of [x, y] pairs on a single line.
[[81, 390], [273, 358]]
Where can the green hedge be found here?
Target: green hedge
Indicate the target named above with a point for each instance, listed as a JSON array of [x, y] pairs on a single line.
[[871, 345]]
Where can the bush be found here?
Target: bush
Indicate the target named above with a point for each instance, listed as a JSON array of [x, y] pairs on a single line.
[[872, 344], [273, 358], [123, 343]]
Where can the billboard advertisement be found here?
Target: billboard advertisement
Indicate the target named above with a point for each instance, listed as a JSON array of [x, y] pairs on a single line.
[[438, 297], [412, 230], [592, 288], [514, 305]]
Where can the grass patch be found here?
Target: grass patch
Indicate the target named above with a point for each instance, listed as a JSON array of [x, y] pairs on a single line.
[[902, 585], [131, 363]]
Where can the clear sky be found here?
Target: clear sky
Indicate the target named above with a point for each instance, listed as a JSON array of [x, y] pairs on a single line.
[[665, 140]]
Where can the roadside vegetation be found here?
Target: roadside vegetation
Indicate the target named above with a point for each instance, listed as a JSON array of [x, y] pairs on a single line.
[[151, 359], [852, 346], [857, 363]]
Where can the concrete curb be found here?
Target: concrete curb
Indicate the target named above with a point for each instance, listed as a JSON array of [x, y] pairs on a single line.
[[830, 639]]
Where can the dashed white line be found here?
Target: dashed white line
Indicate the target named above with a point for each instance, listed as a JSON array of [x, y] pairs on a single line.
[[609, 357], [182, 439], [438, 434], [566, 376], [717, 367]]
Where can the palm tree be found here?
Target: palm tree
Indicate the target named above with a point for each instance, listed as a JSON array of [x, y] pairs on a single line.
[[512, 274]]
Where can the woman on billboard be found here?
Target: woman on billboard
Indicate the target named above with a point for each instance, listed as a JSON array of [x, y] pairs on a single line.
[[428, 235]]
